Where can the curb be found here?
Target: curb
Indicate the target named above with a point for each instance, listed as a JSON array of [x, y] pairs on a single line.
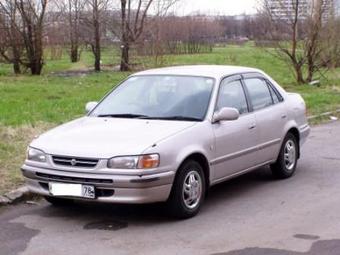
[[323, 114], [15, 196]]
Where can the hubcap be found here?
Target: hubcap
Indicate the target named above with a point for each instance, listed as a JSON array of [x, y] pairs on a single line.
[[192, 189], [290, 155]]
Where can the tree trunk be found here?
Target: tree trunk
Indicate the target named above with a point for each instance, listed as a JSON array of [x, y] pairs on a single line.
[[36, 67], [310, 73], [16, 67], [97, 67], [299, 75], [74, 54], [96, 46], [124, 64], [125, 47], [16, 60]]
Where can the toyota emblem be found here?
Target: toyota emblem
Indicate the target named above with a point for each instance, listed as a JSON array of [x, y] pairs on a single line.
[[73, 162]]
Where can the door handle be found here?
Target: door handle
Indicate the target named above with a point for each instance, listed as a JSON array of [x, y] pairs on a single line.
[[283, 116], [252, 126]]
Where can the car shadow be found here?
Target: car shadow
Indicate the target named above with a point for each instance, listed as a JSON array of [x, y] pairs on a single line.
[[119, 215]]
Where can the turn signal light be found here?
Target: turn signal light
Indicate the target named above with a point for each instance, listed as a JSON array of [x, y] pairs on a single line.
[[148, 161]]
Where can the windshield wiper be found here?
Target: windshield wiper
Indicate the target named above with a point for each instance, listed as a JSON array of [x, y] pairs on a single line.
[[123, 115], [181, 118], [141, 116]]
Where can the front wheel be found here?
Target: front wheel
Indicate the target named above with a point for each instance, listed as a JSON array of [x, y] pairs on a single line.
[[286, 163], [188, 190]]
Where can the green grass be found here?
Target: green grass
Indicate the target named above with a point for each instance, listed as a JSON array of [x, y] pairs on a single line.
[[30, 105], [28, 100], [49, 98]]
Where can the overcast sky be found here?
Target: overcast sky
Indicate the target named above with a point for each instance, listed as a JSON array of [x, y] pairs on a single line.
[[213, 7]]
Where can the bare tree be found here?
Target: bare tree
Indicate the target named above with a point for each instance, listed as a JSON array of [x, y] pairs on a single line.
[[72, 11], [75, 7], [133, 18], [285, 32], [314, 45], [331, 40], [32, 13], [296, 30], [94, 19], [153, 41], [11, 47]]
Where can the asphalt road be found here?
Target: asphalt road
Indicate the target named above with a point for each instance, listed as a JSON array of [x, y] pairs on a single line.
[[250, 215]]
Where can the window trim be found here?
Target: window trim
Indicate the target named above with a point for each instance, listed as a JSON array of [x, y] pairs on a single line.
[[271, 91], [263, 77], [278, 94], [248, 94], [228, 80]]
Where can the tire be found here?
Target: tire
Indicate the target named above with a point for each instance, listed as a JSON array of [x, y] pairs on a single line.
[[286, 163], [57, 201], [183, 202]]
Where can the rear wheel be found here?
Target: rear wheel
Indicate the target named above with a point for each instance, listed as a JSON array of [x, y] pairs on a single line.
[[286, 163], [57, 201], [188, 190]]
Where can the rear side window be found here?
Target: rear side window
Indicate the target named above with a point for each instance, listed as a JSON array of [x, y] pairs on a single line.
[[259, 93], [275, 94], [232, 95]]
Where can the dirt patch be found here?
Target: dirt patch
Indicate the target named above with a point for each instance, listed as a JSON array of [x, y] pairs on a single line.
[[84, 71], [13, 144]]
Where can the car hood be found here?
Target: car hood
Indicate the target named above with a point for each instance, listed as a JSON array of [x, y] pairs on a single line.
[[106, 137]]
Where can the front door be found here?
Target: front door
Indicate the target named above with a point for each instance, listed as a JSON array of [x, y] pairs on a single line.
[[235, 141]]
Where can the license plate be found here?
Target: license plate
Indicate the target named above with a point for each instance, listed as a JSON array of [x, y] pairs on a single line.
[[72, 190]]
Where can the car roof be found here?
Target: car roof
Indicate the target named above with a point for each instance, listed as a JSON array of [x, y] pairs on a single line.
[[214, 71]]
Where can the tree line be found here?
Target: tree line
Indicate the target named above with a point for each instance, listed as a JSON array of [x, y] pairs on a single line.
[[26, 26], [309, 43]]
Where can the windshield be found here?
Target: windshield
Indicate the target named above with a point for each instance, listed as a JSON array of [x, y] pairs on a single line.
[[158, 97]]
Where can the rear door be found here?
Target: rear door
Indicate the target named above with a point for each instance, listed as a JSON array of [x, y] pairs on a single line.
[[266, 104], [235, 141]]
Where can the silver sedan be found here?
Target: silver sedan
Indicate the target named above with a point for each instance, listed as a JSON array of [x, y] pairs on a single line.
[[167, 135]]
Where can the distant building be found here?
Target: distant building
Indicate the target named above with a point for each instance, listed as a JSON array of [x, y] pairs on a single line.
[[337, 7], [284, 9]]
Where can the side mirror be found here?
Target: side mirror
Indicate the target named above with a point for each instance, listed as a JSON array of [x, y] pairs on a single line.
[[90, 106], [225, 114]]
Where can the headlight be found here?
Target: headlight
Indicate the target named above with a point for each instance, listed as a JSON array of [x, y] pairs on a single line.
[[134, 162], [36, 155]]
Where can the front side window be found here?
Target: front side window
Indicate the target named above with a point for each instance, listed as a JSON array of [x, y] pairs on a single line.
[[232, 95], [158, 97], [259, 93]]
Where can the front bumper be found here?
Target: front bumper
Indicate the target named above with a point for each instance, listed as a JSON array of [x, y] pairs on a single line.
[[304, 133], [110, 188]]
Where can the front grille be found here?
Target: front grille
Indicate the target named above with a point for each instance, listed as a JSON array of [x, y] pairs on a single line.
[[75, 162], [52, 177]]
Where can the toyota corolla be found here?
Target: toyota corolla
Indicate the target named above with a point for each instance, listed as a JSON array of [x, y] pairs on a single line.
[[167, 135]]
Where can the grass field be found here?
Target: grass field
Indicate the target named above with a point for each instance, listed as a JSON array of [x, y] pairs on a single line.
[[29, 105]]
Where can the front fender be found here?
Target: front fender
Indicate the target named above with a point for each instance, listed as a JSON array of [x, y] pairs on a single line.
[[175, 149]]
